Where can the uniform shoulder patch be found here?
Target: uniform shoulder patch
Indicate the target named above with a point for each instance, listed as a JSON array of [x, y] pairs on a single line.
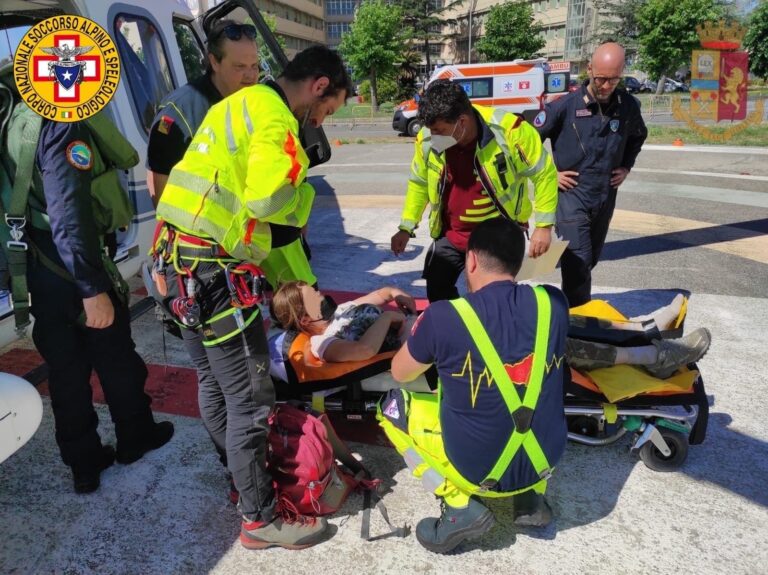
[[540, 119], [164, 125], [79, 155]]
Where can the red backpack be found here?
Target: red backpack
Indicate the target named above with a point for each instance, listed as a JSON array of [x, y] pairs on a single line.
[[303, 452], [302, 458]]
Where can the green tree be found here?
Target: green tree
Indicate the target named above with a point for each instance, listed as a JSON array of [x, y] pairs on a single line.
[[756, 41], [667, 33], [426, 20], [511, 32], [374, 43], [618, 22]]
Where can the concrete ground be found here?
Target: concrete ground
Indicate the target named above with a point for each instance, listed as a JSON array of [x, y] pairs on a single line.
[[168, 513]]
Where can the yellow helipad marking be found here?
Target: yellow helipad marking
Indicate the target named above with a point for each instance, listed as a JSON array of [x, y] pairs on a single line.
[[754, 248], [642, 224]]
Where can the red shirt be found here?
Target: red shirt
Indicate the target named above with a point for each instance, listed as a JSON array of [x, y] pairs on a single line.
[[466, 204]]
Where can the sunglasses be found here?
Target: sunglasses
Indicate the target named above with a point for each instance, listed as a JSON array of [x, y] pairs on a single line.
[[236, 31], [599, 81]]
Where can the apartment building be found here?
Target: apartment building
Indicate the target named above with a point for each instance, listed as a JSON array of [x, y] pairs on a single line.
[[568, 27], [339, 15], [299, 23]]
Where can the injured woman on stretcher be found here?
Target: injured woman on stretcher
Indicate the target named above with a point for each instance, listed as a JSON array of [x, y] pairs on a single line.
[[361, 329]]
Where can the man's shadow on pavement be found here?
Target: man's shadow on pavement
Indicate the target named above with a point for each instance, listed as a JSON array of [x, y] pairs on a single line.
[[345, 261]]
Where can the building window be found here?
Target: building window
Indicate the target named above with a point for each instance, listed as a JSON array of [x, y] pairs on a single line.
[[340, 7], [334, 30], [144, 63]]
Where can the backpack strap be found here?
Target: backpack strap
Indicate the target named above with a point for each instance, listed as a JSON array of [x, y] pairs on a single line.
[[369, 485], [14, 219]]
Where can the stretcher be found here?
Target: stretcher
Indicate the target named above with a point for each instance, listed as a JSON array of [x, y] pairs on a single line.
[[663, 417]]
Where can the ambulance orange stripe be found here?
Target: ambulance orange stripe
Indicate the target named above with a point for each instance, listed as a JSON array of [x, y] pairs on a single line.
[[502, 101], [495, 70]]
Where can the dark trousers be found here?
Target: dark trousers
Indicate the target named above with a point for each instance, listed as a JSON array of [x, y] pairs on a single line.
[[442, 268], [72, 351], [235, 393], [585, 226]]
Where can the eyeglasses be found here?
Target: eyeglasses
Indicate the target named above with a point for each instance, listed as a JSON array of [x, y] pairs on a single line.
[[599, 81], [236, 31]]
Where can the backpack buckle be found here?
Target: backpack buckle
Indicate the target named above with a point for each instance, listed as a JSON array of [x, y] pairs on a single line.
[[17, 224]]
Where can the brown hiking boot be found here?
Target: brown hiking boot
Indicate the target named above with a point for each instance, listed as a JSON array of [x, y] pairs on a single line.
[[676, 353], [300, 534]]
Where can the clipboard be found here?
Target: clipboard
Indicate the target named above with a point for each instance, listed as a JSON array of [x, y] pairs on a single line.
[[545, 264]]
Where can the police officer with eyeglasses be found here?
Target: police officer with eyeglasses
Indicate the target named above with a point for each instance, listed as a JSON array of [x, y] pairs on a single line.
[[233, 63], [596, 134]]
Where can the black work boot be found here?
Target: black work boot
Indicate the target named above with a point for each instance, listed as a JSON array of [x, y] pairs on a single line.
[[156, 435], [87, 478], [531, 510], [443, 534]]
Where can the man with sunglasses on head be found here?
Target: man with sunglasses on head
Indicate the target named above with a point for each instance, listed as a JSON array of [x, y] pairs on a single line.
[[233, 63], [596, 134], [238, 195]]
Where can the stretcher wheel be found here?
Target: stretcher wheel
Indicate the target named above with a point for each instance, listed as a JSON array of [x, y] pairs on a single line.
[[584, 425], [678, 445]]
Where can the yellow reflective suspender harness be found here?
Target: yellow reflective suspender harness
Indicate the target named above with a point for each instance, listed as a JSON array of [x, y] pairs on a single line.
[[521, 411]]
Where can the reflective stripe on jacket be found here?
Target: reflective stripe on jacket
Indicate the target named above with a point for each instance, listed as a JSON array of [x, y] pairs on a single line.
[[245, 168], [509, 151]]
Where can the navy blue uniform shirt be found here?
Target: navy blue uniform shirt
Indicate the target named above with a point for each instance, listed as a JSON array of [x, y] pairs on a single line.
[[593, 139], [476, 423], [65, 166]]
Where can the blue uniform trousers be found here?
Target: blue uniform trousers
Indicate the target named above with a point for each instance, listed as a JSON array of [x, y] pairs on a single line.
[[72, 351], [584, 224]]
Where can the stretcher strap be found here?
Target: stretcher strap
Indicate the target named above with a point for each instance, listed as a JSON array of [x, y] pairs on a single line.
[[521, 411], [611, 412]]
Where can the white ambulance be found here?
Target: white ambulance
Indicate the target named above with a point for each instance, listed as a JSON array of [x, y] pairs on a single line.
[[161, 46], [520, 86]]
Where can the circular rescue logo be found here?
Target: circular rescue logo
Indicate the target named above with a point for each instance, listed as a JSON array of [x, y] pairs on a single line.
[[79, 155], [66, 68]]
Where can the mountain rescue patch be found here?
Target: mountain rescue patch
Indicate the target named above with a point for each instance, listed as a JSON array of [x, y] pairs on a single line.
[[164, 126], [79, 155], [66, 68], [540, 119]]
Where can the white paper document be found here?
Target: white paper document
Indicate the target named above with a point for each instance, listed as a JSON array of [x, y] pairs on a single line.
[[537, 267]]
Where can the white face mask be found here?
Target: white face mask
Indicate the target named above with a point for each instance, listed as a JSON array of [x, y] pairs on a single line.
[[441, 143]]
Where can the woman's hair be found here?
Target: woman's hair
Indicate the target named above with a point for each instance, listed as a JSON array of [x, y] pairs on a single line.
[[287, 305]]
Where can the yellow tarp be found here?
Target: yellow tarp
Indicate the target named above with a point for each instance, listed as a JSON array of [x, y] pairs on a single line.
[[624, 381]]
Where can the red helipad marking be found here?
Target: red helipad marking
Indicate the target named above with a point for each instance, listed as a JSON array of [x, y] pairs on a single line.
[[174, 389]]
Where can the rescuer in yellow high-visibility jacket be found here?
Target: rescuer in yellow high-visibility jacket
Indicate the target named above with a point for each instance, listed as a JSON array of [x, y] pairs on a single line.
[[470, 164], [237, 198]]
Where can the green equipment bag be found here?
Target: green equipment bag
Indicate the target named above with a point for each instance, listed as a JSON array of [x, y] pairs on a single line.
[[22, 201]]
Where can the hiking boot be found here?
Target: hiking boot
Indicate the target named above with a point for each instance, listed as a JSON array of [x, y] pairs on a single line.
[[531, 510], [588, 355], [676, 353], [443, 534], [299, 534], [158, 435], [87, 478]]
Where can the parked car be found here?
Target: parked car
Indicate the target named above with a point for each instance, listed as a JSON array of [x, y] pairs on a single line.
[[632, 84], [671, 85]]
